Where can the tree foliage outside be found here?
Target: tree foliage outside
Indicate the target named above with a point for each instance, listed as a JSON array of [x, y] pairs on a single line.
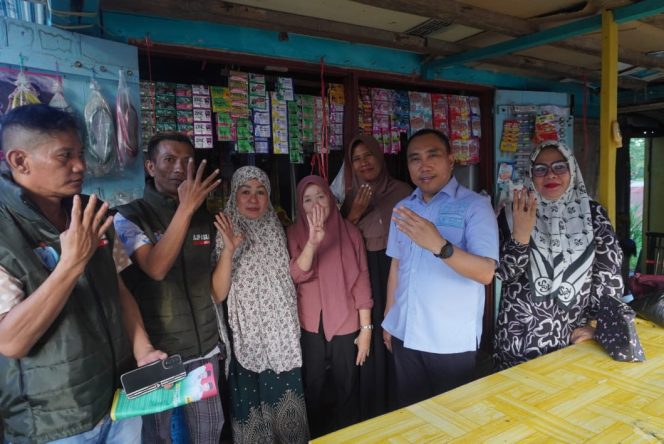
[[637, 148]]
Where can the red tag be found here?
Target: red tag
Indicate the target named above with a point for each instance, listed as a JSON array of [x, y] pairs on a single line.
[[102, 242], [198, 243]]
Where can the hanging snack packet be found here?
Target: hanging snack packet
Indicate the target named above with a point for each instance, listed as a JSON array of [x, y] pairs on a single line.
[[24, 94], [58, 100]]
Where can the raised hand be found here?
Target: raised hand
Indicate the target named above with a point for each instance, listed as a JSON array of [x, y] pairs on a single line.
[[86, 227], [360, 203], [524, 212], [194, 190], [231, 239], [418, 229], [316, 222]]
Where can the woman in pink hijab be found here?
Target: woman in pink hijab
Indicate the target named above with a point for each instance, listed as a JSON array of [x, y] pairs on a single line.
[[329, 268]]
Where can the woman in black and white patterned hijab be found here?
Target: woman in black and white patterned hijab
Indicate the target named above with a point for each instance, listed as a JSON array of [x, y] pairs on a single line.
[[559, 255]]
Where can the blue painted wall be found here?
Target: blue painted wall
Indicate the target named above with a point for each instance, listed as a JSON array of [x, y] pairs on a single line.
[[121, 26], [46, 49]]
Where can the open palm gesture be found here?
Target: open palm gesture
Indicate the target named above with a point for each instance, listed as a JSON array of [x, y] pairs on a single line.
[[316, 222], [232, 240]]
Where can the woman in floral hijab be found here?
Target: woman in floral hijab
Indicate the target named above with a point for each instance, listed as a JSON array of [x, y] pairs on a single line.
[[267, 398]]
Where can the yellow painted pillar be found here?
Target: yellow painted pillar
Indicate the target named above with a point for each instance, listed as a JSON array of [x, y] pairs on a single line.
[[608, 143]]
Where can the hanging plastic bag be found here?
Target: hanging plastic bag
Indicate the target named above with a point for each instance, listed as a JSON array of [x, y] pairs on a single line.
[[338, 185], [58, 101], [24, 94], [127, 124], [101, 132]]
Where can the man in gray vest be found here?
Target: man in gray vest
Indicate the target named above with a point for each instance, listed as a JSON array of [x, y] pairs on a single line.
[[169, 236], [65, 315]]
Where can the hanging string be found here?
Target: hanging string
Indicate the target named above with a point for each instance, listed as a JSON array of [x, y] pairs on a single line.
[[320, 159]]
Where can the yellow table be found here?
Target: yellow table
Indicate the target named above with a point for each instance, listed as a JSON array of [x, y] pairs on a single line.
[[578, 394]]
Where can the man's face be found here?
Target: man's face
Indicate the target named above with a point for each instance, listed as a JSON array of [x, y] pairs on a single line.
[[54, 165], [429, 164], [169, 169]]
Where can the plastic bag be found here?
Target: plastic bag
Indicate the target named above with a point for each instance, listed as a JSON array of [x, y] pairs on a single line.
[[101, 132], [58, 100], [644, 284], [24, 94], [651, 307], [338, 185], [127, 124], [616, 331]]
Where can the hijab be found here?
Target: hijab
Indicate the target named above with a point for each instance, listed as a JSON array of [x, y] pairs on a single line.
[[336, 262], [386, 193], [262, 302], [562, 247]]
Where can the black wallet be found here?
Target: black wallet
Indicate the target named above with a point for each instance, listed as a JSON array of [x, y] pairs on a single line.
[[152, 376]]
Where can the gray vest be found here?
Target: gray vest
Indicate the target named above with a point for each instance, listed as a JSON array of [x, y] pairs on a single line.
[[178, 312], [65, 384]]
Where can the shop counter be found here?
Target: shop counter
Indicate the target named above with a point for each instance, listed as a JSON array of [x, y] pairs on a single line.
[[578, 394]]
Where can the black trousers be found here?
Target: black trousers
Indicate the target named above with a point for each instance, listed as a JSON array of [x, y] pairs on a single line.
[[422, 375], [330, 379]]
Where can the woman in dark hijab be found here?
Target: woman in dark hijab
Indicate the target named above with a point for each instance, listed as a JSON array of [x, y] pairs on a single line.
[[369, 205]]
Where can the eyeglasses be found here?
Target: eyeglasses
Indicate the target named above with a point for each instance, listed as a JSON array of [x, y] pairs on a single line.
[[559, 168]]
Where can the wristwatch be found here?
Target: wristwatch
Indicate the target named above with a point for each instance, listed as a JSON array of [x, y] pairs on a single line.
[[446, 251]]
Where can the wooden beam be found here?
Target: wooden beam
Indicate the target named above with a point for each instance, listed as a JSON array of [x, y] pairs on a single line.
[[641, 108], [235, 14], [578, 27], [655, 20], [458, 13], [591, 46], [467, 15], [608, 114], [561, 70]]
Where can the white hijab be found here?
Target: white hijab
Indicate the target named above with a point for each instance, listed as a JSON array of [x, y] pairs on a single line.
[[562, 247]]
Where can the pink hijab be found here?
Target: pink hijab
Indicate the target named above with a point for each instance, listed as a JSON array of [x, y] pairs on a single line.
[[336, 262]]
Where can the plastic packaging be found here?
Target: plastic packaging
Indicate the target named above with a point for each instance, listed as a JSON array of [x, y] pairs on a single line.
[[58, 100], [24, 94], [101, 132], [127, 124]]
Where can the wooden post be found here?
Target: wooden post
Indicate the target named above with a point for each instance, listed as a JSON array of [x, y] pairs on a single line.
[[608, 115]]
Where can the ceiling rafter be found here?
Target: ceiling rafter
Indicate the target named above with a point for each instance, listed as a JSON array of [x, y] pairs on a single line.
[[656, 20], [562, 70], [235, 14], [487, 20]]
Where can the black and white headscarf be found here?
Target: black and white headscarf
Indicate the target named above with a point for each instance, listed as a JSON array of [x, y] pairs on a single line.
[[562, 246]]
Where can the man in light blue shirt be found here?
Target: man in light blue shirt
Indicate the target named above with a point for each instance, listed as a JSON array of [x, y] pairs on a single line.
[[443, 243]]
